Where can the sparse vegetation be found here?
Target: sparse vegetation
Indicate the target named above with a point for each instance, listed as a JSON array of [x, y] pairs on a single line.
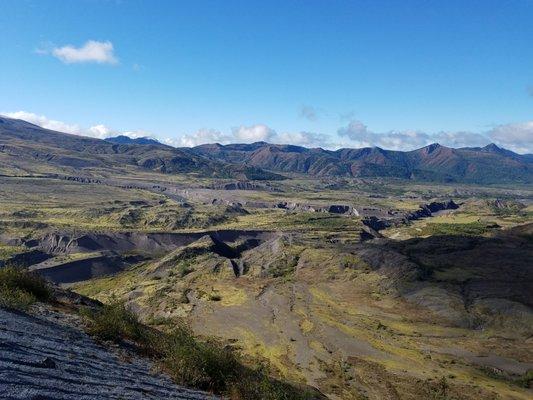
[[204, 364], [342, 296], [20, 288], [467, 229], [8, 251]]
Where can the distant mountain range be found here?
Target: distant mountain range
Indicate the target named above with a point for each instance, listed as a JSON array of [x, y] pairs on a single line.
[[489, 164], [29, 149]]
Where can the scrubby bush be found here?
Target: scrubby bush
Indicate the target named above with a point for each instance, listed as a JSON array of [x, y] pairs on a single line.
[[20, 288], [115, 323]]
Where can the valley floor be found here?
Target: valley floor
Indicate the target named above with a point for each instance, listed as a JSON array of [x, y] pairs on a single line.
[[350, 287]]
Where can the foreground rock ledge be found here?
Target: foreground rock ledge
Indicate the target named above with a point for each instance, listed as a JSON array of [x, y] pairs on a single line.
[[46, 356]]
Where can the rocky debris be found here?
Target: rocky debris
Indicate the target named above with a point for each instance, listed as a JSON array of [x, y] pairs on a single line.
[[367, 233], [236, 208], [240, 185], [376, 224], [79, 179], [47, 356], [342, 209], [399, 218], [291, 206], [333, 208], [427, 210], [499, 204], [232, 207]]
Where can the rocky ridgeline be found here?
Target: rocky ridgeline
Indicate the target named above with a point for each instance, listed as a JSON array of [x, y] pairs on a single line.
[[47, 356]]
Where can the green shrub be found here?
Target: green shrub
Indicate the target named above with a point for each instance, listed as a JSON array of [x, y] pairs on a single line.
[[206, 365], [20, 288], [526, 380], [115, 323], [15, 298]]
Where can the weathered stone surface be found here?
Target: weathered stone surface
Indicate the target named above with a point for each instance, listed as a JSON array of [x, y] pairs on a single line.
[[47, 356]]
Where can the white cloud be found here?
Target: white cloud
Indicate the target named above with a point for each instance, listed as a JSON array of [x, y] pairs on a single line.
[[99, 131], [306, 139], [250, 134], [44, 122], [202, 136], [254, 133], [516, 137], [91, 52], [460, 139]]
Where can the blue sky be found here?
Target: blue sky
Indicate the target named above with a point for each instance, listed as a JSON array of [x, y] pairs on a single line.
[[397, 74]]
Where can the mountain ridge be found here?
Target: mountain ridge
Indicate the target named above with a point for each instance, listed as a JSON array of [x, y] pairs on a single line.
[[489, 164], [25, 147]]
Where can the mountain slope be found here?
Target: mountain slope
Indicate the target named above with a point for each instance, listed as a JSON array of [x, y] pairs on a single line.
[[489, 164], [29, 149]]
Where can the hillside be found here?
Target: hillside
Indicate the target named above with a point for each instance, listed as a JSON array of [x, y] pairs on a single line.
[[27, 149], [489, 164]]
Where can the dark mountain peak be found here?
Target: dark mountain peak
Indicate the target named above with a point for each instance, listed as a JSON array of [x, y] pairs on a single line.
[[493, 148], [123, 139], [432, 148]]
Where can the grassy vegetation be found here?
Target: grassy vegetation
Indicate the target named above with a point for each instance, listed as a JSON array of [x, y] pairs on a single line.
[[208, 365], [20, 288], [8, 251], [460, 229]]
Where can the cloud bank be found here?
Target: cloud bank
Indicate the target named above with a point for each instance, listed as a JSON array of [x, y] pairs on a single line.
[[515, 137], [250, 134]]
